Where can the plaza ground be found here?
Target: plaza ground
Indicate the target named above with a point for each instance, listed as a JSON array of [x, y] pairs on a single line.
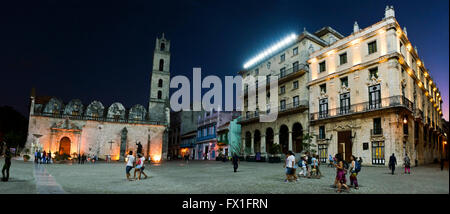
[[214, 177]]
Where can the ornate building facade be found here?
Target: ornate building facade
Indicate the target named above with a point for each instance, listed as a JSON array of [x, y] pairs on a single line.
[[371, 96], [93, 129], [288, 65]]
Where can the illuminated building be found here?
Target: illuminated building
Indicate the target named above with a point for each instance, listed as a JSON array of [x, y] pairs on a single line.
[[75, 128], [371, 96]]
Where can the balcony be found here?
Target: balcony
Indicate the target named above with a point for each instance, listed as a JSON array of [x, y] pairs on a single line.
[[289, 108], [283, 77], [376, 132], [385, 103], [418, 114]]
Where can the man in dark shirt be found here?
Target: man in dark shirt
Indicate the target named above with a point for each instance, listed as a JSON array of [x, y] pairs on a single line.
[[392, 162], [235, 161], [7, 165]]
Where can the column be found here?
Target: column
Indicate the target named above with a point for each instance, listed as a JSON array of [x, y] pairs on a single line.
[[276, 138], [263, 146], [252, 150], [290, 141]]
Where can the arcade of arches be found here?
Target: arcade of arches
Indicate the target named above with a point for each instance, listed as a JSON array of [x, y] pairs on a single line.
[[288, 138]]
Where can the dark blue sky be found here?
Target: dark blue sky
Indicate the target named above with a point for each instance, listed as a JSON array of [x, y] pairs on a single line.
[[102, 50]]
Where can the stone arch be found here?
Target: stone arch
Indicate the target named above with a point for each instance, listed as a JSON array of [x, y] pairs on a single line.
[[257, 141], [160, 83], [116, 111], [163, 46], [95, 109], [137, 112], [284, 138], [269, 139], [54, 106], [297, 137], [74, 107], [161, 64], [159, 94]]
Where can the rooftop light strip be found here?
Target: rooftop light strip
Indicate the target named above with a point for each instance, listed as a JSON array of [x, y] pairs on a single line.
[[283, 43]]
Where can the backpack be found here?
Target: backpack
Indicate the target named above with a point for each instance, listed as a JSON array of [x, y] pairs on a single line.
[[345, 164], [309, 160], [300, 163], [357, 166]]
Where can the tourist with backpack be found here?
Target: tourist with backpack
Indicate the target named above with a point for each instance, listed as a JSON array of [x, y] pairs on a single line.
[[407, 163], [340, 173], [354, 169], [302, 165]]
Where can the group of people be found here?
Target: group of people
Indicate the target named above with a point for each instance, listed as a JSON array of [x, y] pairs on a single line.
[[342, 167], [137, 163], [83, 158], [406, 163], [42, 157], [309, 165]]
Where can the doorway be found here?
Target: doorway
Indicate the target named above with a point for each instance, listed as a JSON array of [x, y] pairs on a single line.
[[64, 146], [345, 144]]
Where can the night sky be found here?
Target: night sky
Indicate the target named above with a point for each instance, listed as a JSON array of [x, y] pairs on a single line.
[[102, 50]]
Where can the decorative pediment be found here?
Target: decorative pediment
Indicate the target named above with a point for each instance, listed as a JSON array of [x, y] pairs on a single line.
[[344, 89], [323, 95], [373, 81], [66, 125]]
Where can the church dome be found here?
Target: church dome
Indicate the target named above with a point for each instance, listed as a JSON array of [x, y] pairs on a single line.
[[74, 107], [54, 106]]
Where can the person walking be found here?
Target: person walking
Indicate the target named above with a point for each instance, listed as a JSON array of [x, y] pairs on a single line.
[[302, 164], [330, 161], [139, 165], [392, 163], [79, 158], [35, 157], [407, 163], [49, 157], [38, 157], [44, 155], [235, 160], [130, 164], [7, 165], [290, 161], [354, 172], [340, 174]]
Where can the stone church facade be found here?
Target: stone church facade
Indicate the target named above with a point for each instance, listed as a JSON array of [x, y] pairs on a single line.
[[93, 129]]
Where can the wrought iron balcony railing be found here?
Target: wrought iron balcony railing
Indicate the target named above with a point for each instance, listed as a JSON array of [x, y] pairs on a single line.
[[389, 102]]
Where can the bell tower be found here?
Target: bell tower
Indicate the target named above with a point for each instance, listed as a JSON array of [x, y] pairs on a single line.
[[159, 81]]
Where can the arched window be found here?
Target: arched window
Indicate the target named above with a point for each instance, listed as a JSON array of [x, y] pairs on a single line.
[[159, 95], [161, 64], [160, 83], [163, 46]]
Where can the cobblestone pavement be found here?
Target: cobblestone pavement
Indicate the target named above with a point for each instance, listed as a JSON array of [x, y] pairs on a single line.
[[45, 183], [209, 177], [21, 178]]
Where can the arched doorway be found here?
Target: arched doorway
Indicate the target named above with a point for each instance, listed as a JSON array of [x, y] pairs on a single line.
[[269, 139], [284, 138], [64, 146], [297, 137], [257, 141], [248, 141]]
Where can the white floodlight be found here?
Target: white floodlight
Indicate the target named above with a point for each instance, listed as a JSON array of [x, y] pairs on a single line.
[[287, 40]]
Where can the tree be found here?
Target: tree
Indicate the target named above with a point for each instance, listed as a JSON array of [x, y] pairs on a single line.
[[13, 127], [307, 144]]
